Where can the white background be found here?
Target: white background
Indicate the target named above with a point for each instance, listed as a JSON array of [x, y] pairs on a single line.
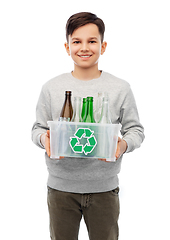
[[32, 52]]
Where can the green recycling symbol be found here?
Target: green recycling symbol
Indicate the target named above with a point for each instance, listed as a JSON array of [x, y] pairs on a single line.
[[90, 144]]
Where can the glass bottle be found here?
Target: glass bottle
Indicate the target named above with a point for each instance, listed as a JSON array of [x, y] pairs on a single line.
[[67, 109], [77, 110], [98, 106], [105, 113], [104, 137], [84, 109], [89, 113], [63, 128]]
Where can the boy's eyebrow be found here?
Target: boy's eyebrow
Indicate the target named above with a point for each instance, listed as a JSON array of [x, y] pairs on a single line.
[[93, 38], [75, 38]]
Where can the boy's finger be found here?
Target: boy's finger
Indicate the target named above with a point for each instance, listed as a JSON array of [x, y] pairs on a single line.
[[48, 133], [102, 159], [47, 143], [48, 151], [117, 151], [118, 148]]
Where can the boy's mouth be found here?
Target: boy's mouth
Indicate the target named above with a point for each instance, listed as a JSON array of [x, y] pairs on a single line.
[[84, 56]]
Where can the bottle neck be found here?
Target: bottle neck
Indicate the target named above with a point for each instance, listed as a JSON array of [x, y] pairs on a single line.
[[89, 116], [84, 109], [105, 113], [77, 109], [68, 97], [67, 110], [90, 108], [77, 104]]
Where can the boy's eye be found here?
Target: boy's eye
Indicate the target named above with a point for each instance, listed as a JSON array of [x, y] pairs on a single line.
[[92, 41], [76, 42]]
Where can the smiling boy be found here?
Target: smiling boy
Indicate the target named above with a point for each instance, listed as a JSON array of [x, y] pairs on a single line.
[[85, 47], [86, 187]]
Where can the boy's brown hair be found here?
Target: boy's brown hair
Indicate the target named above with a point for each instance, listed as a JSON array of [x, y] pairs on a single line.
[[80, 19]]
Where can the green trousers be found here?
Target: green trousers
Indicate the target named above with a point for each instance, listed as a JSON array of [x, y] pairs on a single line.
[[100, 212]]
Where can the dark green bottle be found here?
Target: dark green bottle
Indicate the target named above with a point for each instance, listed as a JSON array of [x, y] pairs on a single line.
[[89, 113]]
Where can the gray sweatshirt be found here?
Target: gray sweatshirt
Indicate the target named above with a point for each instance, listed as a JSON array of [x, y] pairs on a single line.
[[85, 175]]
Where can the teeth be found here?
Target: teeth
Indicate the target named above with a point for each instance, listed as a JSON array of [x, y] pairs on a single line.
[[85, 56]]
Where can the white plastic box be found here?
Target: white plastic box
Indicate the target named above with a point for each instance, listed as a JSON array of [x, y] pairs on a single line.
[[83, 140]]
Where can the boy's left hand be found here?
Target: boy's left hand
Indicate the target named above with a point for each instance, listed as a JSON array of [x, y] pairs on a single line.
[[121, 148]]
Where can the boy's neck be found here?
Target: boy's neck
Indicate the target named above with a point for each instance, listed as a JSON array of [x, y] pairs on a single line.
[[86, 74]]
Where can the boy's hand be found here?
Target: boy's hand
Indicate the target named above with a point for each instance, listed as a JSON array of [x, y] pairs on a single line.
[[121, 148], [45, 141]]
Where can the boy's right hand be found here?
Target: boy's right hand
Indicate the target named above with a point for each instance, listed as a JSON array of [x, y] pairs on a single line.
[[45, 141]]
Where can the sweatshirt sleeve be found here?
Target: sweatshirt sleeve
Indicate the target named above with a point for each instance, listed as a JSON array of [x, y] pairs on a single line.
[[43, 114], [132, 130]]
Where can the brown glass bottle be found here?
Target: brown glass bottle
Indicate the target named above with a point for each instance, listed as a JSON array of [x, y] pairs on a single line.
[[67, 109]]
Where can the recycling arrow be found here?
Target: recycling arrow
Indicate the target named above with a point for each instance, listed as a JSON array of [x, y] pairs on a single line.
[[83, 133]]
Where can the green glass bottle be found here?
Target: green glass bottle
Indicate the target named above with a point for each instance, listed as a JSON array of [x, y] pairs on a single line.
[[84, 109], [89, 117]]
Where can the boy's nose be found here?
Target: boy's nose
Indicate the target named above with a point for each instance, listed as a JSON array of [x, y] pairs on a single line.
[[84, 47]]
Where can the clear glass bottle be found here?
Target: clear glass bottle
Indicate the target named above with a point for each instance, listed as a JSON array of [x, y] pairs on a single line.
[[76, 110], [64, 119], [67, 109], [98, 106], [103, 140], [105, 113], [89, 117]]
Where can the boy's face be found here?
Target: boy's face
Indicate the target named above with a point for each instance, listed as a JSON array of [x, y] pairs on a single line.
[[85, 46]]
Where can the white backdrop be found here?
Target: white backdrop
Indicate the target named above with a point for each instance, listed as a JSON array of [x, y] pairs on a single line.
[[32, 52]]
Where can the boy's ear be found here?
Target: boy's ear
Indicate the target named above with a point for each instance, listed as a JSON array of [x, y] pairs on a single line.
[[103, 48], [67, 48]]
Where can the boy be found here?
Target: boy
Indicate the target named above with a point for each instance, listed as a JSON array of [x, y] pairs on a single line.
[[86, 187]]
